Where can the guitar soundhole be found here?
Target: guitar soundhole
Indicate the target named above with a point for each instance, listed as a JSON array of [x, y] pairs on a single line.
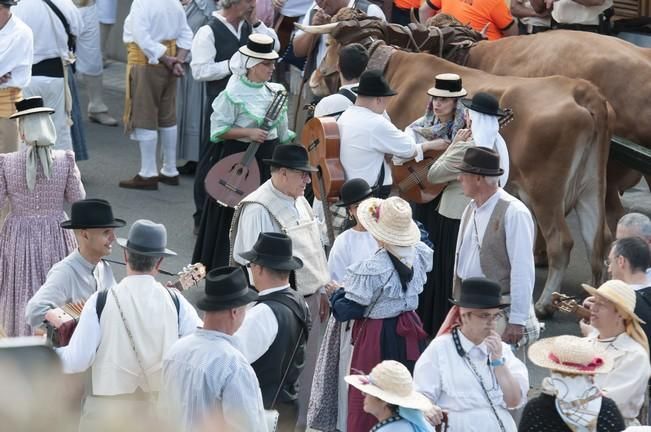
[[239, 171]]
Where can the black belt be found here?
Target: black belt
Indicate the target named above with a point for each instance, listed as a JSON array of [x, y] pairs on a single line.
[[578, 27], [52, 67]]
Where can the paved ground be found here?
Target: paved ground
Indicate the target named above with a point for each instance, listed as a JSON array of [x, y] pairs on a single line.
[[114, 157]]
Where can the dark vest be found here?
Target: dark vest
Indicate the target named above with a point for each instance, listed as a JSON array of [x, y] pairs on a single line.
[[643, 309], [292, 314], [226, 45]]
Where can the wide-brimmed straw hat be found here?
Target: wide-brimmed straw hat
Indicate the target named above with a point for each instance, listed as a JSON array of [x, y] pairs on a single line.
[[570, 354], [618, 292], [389, 221], [391, 382], [447, 85], [259, 46]]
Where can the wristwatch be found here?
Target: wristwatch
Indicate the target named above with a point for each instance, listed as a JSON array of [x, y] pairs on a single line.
[[498, 362]]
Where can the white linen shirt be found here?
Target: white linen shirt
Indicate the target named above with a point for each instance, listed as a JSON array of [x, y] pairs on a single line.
[[79, 355], [373, 11], [72, 279], [365, 138], [16, 52], [50, 39], [151, 22], [203, 65], [334, 103], [519, 228], [442, 375], [259, 328]]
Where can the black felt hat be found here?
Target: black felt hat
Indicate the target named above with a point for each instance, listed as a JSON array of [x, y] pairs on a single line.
[[372, 83], [8, 2], [273, 250], [226, 288], [354, 191], [484, 103], [291, 156], [480, 293], [481, 161], [92, 213]]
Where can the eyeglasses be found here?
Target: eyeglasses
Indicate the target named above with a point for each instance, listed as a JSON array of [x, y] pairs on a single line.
[[485, 316], [303, 174]]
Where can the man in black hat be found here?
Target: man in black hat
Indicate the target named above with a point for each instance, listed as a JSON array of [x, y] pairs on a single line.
[[367, 135], [467, 370], [207, 382], [504, 252], [124, 332], [278, 205], [83, 272], [274, 333]]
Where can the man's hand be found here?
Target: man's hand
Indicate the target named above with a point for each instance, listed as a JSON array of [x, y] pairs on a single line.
[[494, 345], [320, 17], [513, 333], [324, 307], [588, 302], [434, 415], [278, 4], [169, 62], [252, 17], [5, 78], [462, 135], [177, 69]]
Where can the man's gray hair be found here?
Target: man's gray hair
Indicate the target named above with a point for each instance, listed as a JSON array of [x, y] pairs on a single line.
[[225, 4], [141, 263], [638, 222], [492, 181]]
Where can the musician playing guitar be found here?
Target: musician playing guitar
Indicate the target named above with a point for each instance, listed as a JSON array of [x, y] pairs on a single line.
[[236, 122]]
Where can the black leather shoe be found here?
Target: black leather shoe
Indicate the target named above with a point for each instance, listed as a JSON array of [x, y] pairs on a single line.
[[189, 168], [172, 181]]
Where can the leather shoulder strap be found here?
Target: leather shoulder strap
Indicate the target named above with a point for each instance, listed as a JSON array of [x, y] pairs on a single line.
[[64, 22]]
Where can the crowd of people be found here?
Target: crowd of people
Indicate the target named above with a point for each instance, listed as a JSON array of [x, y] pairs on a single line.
[[417, 317]]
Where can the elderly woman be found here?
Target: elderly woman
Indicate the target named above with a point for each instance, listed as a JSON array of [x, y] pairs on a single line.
[[390, 398], [238, 112], [467, 370], [381, 294], [36, 180], [570, 399], [615, 329]]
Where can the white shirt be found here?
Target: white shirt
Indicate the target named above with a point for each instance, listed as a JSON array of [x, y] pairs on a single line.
[[16, 52], [626, 383], [350, 247], [151, 22], [203, 65], [295, 8], [334, 103], [444, 377], [373, 11], [365, 138], [50, 39], [519, 228], [80, 352], [259, 329]]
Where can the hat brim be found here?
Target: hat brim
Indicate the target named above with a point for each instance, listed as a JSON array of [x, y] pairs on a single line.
[[389, 93], [117, 223], [342, 203], [273, 262], [479, 305], [414, 401], [166, 252], [32, 111], [468, 104], [605, 294], [464, 167], [273, 55], [210, 304], [539, 355], [446, 93], [282, 164], [409, 237]]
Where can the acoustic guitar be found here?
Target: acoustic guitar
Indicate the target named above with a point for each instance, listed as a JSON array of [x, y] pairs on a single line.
[[235, 176], [410, 178], [565, 303], [320, 137], [60, 323]]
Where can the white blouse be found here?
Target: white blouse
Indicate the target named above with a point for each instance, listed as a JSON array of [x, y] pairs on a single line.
[[442, 375], [350, 247]]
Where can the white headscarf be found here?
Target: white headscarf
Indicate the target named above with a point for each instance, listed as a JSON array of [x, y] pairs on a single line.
[[578, 400], [40, 135], [485, 132], [240, 63]]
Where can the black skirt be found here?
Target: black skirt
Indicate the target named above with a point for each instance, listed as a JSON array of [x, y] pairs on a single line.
[[212, 248], [434, 302]]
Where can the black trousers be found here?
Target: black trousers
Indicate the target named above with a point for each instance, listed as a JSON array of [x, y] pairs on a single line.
[[288, 415]]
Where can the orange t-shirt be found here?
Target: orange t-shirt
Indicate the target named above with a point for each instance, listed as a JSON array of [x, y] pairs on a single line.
[[407, 4], [477, 13]]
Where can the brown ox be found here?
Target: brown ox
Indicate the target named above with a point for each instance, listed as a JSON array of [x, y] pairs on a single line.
[[558, 144]]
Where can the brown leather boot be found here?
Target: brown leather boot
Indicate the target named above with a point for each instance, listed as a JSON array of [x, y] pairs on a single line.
[[172, 181], [146, 183]]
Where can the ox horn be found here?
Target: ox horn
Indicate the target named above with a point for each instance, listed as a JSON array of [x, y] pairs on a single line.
[[317, 29]]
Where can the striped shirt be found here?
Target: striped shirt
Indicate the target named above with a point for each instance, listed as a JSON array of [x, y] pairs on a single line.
[[207, 381]]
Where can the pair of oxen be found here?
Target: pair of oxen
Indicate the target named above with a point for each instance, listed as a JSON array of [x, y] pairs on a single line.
[[569, 91]]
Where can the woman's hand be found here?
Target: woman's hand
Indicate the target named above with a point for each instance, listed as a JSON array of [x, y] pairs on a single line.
[[434, 415], [462, 135], [494, 345], [257, 135], [437, 144], [331, 287]]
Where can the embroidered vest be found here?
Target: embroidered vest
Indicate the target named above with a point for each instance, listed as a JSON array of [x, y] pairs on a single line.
[[226, 45], [304, 232]]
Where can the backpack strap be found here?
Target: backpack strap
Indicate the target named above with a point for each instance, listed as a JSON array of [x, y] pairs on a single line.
[[349, 94], [101, 302]]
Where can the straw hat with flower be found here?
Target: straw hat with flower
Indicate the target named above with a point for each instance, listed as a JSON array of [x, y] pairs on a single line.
[[570, 354], [391, 382], [389, 221], [618, 292]]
